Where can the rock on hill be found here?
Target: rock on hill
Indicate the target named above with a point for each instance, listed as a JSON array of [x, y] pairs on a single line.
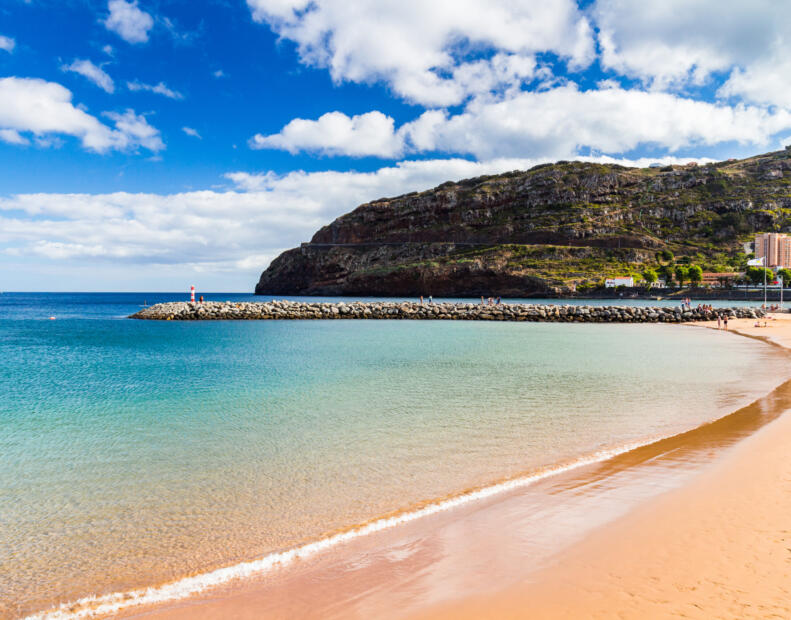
[[548, 230]]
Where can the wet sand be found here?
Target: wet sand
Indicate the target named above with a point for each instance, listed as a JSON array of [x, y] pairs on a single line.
[[692, 526], [718, 547]]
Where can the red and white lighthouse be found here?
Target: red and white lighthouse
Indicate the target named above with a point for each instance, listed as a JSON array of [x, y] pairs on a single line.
[[192, 294]]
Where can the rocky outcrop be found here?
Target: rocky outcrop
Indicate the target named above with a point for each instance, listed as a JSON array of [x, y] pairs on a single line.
[[542, 231], [295, 310]]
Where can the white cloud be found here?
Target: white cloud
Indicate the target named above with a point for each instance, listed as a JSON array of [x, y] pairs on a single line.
[[128, 21], [45, 109], [675, 42], [135, 131], [12, 136], [763, 82], [93, 73], [159, 89], [7, 43], [219, 73], [560, 121], [551, 123], [192, 132], [417, 47], [335, 133]]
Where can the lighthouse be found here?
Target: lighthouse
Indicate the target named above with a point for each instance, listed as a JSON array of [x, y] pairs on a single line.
[[192, 294]]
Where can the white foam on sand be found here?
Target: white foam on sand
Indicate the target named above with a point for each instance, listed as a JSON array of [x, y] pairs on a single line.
[[91, 606]]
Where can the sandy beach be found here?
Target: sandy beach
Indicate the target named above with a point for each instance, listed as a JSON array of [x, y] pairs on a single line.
[[692, 526], [719, 547]]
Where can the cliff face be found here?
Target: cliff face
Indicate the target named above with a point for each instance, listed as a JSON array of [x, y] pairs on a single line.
[[546, 230]]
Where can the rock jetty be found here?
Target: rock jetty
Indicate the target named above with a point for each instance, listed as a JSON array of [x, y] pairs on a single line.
[[298, 310]]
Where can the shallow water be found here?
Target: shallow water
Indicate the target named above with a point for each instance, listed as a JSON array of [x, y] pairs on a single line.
[[133, 453]]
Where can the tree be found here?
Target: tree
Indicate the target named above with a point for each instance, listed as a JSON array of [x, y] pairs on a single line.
[[785, 274], [666, 271], [756, 275], [681, 274], [666, 255], [650, 276], [695, 274]]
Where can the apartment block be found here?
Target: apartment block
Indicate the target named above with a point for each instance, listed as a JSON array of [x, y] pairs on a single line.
[[775, 248]]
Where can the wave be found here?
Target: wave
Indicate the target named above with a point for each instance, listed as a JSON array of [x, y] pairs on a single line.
[[91, 606]]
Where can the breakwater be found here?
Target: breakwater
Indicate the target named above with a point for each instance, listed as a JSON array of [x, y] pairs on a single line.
[[297, 310]]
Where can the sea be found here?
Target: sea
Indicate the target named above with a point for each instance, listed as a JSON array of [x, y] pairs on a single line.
[[162, 455]]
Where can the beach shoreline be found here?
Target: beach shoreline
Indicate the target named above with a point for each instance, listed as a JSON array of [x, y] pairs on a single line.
[[716, 547], [415, 562], [555, 589]]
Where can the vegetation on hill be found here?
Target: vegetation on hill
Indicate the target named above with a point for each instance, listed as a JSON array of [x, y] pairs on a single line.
[[556, 228]]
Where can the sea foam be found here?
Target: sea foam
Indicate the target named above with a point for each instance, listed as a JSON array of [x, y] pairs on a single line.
[[92, 606]]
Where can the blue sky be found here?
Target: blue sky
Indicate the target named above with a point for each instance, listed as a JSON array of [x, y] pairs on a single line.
[[155, 144]]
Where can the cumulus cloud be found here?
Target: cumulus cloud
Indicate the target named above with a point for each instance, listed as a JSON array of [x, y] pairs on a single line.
[[673, 43], [335, 133], [418, 48], [159, 89], [7, 44], [12, 136], [134, 131], [554, 123], [93, 73], [192, 132], [128, 21], [561, 121], [763, 82], [44, 109]]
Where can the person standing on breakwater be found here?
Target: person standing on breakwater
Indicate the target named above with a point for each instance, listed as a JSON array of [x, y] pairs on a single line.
[[421, 300], [483, 303], [431, 299]]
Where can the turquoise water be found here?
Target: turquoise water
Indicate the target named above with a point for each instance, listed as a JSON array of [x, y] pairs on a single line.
[[134, 453]]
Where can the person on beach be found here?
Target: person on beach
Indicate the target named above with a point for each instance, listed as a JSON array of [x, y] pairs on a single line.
[[719, 322], [725, 322]]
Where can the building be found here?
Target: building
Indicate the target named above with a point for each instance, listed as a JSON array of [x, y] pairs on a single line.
[[720, 279], [775, 248], [613, 282]]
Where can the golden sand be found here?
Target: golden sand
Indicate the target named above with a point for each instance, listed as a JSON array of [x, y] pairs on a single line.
[[719, 547]]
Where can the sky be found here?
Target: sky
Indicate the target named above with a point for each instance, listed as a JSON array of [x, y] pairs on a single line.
[[151, 145]]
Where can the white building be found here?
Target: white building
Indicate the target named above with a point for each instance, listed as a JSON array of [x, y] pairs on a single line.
[[613, 282]]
